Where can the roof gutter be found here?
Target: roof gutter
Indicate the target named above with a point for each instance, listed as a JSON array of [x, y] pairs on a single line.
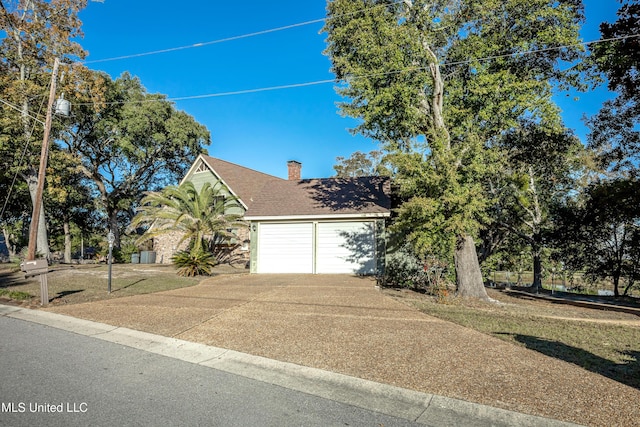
[[314, 217]]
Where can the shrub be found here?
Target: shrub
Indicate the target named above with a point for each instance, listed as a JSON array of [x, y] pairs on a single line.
[[405, 270], [193, 263], [127, 248]]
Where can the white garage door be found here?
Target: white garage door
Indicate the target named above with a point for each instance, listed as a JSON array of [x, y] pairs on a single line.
[[285, 248], [346, 247]]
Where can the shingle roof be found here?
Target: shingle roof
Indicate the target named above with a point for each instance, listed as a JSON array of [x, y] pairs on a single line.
[[330, 196], [269, 196], [244, 182]]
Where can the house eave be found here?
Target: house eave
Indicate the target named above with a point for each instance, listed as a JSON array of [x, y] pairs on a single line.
[[319, 217], [190, 173]]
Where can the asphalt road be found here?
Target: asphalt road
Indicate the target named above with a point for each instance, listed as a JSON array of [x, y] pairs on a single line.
[[57, 370], [51, 377]]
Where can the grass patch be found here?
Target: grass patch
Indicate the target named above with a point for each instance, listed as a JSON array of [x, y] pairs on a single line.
[[592, 341], [15, 295], [74, 284]]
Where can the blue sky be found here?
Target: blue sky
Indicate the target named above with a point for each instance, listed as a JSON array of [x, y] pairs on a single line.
[[265, 129]]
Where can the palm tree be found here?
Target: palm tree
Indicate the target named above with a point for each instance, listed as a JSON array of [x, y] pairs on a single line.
[[201, 217]]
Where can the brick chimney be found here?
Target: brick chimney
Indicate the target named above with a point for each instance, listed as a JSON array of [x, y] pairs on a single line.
[[294, 170]]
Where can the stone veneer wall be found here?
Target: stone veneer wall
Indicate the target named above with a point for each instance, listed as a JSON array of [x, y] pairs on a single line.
[[241, 255], [166, 246]]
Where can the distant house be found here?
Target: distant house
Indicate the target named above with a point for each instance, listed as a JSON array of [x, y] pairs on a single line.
[[331, 225]]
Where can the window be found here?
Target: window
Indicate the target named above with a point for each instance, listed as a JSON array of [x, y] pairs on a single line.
[[201, 168]]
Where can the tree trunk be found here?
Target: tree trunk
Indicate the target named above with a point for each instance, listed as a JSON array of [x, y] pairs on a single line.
[[468, 275], [67, 242], [537, 271], [616, 283], [42, 242], [5, 234]]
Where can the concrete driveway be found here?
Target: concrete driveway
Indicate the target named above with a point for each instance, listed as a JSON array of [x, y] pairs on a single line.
[[345, 324]]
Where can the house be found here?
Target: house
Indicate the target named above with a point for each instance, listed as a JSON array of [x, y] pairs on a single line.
[[331, 225]]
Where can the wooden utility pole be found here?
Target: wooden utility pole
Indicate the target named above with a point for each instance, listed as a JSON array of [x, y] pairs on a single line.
[[44, 155]]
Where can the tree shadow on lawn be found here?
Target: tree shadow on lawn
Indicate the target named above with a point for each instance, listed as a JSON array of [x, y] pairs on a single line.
[[11, 278], [128, 286], [63, 294], [626, 373]]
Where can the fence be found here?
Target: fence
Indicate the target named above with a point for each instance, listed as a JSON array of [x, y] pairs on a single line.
[[557, 281]]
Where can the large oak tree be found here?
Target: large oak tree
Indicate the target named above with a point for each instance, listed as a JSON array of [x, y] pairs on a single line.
[[128, 141], [437, 82]]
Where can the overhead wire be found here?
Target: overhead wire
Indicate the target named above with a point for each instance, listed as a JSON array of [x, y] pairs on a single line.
[[228, 39], [310, 83], [23, 155], [326, 81], [15, 107]]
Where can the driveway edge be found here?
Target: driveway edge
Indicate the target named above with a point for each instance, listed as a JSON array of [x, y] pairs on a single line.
[[415, 406]]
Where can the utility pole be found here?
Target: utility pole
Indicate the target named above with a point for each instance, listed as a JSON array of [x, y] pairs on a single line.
[[44, 155]]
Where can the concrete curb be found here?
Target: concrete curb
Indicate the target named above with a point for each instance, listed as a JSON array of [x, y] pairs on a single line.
[[407, 404]]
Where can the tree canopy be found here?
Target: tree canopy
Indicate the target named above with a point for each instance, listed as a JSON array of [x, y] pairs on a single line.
[[614, 130], [129, 142], [601, 234], [437, 83], [541, 171], [361, 164], [120, 140], [34, 33]]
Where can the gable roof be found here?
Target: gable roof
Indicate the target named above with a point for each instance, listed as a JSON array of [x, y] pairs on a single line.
[[267, 196], [359, 197], [243, 182]]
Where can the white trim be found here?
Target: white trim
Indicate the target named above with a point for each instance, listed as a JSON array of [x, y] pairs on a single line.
[[318, 217], [202, 167], [200, 157], [193, 165]]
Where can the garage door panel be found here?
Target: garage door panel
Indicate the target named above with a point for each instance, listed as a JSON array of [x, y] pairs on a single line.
[[346, 247], [285, 248]]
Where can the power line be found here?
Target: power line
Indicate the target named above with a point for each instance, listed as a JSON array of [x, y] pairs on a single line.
[[20, 110], [319, 82], [246, 91], [228, 39], [24, 153], [546, 49]]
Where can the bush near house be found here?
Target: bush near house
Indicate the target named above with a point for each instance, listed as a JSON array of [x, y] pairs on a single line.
[[194, 263]]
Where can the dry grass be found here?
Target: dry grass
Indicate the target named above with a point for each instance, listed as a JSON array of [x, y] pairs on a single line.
[[601, 341], [74, 284]]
